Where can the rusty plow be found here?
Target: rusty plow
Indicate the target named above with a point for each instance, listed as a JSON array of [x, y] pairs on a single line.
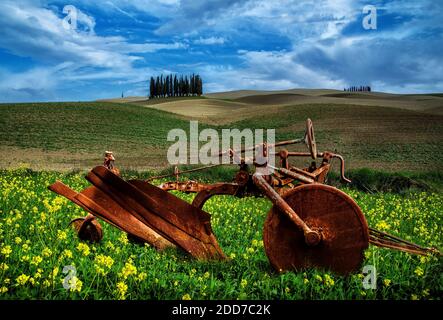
[[310, 225]]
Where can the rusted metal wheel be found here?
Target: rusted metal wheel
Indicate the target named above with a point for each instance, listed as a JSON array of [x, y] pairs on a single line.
[[310, 139], [88, 228], [324, 208]]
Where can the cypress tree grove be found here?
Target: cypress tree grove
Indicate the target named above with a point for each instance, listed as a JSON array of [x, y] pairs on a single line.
[[175, 86]]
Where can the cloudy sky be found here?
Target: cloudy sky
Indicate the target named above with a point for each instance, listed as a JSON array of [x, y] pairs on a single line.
[[114, 46]]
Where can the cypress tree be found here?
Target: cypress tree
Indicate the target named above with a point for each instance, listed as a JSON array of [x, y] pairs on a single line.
[[151, 88], [175, 86]]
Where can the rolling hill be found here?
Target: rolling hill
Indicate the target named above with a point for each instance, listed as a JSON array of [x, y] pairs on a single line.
[[376, 130]]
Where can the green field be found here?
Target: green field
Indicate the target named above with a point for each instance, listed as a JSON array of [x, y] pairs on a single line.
[[36, 245], [66, 136], [391, 144]]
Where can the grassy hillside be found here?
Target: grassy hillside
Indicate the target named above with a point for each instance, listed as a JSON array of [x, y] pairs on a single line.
[[63, 136], [78, 133]]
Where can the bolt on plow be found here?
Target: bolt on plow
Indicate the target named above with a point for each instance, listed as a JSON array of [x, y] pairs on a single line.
[[310, 225]]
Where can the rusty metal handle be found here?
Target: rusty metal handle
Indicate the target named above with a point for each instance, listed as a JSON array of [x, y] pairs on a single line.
[[312, 237], [342, 167]]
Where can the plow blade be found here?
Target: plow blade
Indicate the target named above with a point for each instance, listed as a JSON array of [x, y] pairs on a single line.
[[94, 201], [146, 212], [176, 220]]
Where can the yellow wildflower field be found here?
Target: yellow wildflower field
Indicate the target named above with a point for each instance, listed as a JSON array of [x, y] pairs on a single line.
[[42, 258]]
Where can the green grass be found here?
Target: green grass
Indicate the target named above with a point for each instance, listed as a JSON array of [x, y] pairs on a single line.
[[84, 126], [35, 245], [382, 138], [374, 181]]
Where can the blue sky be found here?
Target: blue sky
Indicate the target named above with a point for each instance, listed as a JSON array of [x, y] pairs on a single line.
[[251, 44]]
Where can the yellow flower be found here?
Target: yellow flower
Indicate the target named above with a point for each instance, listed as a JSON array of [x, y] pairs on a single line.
[[61, 235], [6, 251], [18, 240], [22, 279], [46, 283], [387, 282], [54, 272], [243, 283], [4, 266], [186, 297], [232, 255], [83, 248], [424, 259], [287, 290], [128, 270], [38, 274], [109, 245], [3, 290], [122, 288], [305, 281], [419, 271], [103, 264], [382, 225], [36, 260], [414, 297], [206, 275], [67, 253], [329, 282], [319, 278], [142, 276], [46, 252], [75, 284], [123, 238]]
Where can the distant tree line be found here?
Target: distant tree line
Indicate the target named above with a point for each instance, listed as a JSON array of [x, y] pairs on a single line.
[[174, 86], [358, 89]]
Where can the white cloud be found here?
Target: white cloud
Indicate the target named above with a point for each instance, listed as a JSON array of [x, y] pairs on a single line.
[[320, 51], [83, 18], [265, 70], [210, 40], [38, 33]]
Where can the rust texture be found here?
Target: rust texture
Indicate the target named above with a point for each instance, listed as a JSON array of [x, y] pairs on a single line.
[[339, 220], [88, 228]]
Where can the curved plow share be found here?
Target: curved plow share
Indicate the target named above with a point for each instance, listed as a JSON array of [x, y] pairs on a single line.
[[146, 212]]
